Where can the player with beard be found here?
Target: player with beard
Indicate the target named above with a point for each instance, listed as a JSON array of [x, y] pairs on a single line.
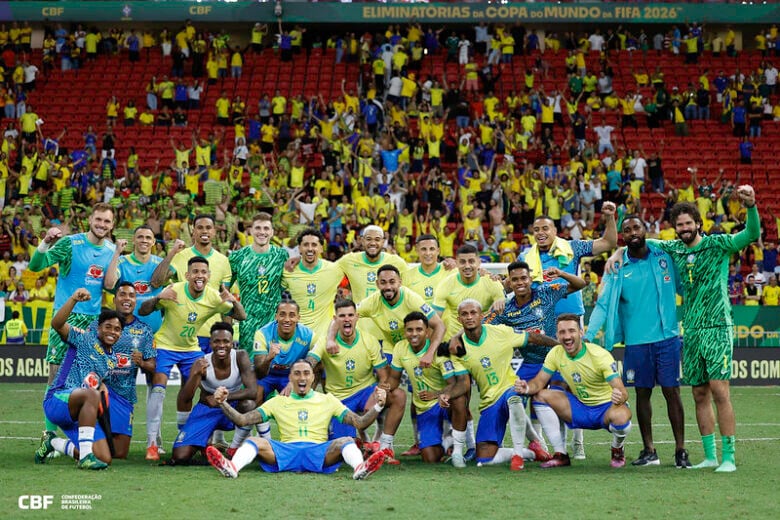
[[222, 367], [82, 259], [303, 418], [73, 400], [702, 264], [186, 307], [137, 268], [257, 269], [596, 398], [638, 307], [314, 282], [174, 266], [550, 250]]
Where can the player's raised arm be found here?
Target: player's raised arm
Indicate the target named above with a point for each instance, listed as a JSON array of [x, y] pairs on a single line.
[[533, 386], [58, 322], [162, 272], [150, 305], [752, 231], [609, 240], [41, 257], [249, 392], [238, 313], [575, 283], [438, 329], [112, 272]]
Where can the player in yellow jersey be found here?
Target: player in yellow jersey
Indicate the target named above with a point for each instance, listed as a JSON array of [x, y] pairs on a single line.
[[486, 352], [303, 418], [187, 306], [174, 266], [466, 283], [429, 275], [313, 282], [350, 368], [438, 391], [424, 280], [596, 397]]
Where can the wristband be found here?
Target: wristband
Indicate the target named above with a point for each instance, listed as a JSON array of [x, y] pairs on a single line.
[[43, 246], [378, 407]]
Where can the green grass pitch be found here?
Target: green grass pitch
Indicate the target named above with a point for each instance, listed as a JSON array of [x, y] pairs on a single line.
[[135, 489]]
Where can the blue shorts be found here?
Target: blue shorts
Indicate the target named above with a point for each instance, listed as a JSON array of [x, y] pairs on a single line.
[[528, 371], [204, 342], [649, 364], [184, 360], [493, 419], [357, 403], [299, 457], [586, 417], [201, 424], [273, 382], [57, 411], [430, 424], [121, 412]]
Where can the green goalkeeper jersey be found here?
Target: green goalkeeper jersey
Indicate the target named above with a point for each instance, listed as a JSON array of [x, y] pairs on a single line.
[[259, 278]]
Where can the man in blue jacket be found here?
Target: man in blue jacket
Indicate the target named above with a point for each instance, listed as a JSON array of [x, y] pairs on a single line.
[[637, 307]]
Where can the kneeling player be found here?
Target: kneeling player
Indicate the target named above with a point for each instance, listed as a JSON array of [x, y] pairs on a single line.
[[74, 402], [303, 418], [224, 367], [438, 392], [597, 398]]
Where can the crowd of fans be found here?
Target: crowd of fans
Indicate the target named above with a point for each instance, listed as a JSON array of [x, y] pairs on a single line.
[[411, 152]]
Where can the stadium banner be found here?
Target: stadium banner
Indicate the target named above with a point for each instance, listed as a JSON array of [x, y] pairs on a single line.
[[375, 12], [27, 364]]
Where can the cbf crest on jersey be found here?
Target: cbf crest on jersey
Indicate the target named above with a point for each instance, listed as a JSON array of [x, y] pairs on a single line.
[[662, 263], [261, 270], [192, 317], [576, 377], [418, 371], [311, 289], [303, 415], [393, 325], [371, 276], [485, 362], [429, 292], [350, 365]]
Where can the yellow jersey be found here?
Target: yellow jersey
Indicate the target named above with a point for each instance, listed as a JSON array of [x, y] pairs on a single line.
[[389, 320], [352, 368], [314, 290], [182, 320], [424, 284], [588, 373], [303, 419], [452, 291], [361, 272], [432, 379]]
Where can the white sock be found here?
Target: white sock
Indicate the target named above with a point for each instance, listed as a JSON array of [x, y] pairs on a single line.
[[527, 454], [619, 433], [458, 440], [240, 436], [217, 437], [264, 430], [244, 455], [86, 437], [517, 424], [537, 426], [351, 455], [470, 441], [63, 446], [154, 411], [447, 442], [502, 455], [577, 436], [386, 441], [181, 419], [551, 426]]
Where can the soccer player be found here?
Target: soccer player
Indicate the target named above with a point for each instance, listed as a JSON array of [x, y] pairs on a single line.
[[637, 306], [438, 391], [466, 283], [73, 401], [314, 282], [222, 367], [595, 398], [135, 348], [350, 371], [257, 269], [277, 346], [486, 352], [174, 266], [137, 268], [552, 251], [702, 266], [303, 418], [82, 258], [186, 307], [427, 277], [424, 280]]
